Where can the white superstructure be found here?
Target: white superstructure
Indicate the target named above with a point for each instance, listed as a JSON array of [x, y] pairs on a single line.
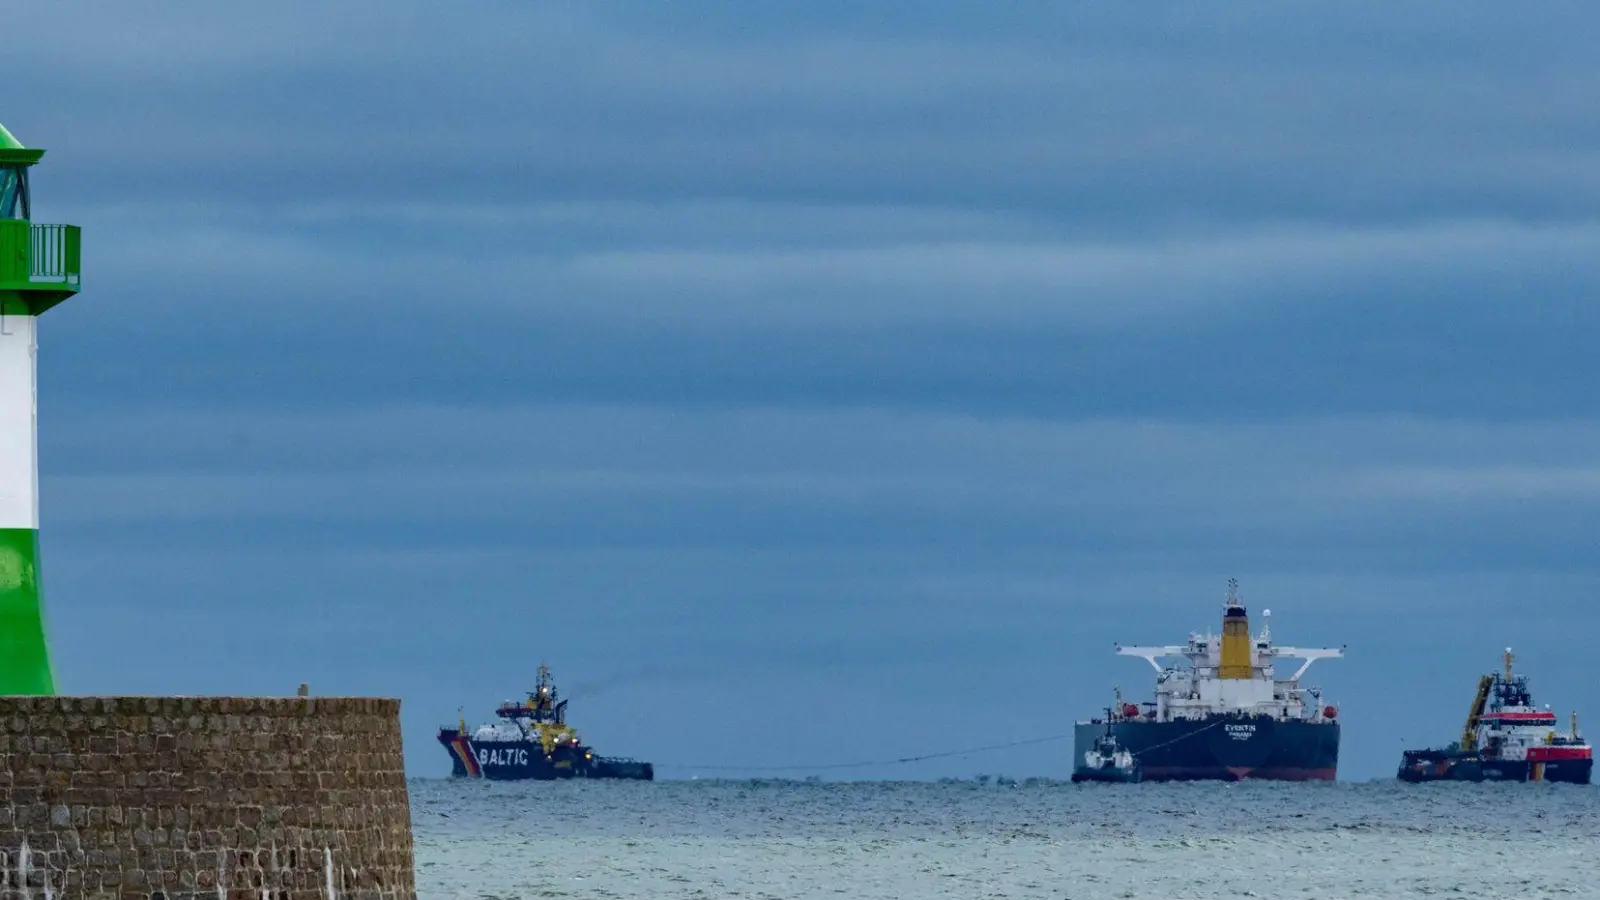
[[510, 730], [1512, 729], [1100, 757], [1196, 688]]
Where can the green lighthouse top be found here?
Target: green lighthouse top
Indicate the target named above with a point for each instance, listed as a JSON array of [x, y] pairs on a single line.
[[12, 153], [40, 265]]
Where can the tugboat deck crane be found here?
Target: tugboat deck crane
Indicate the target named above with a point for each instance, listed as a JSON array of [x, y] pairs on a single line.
[[1469, 734]]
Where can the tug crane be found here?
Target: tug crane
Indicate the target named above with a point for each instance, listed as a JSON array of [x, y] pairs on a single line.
[[1469, 734]]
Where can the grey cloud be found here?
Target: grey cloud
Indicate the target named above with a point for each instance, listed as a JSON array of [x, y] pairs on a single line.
[[831, 347], [1156, 284], [927, 312], [637, 479], [892, 275], [1573, 484], [761, 441], [1089, 120]]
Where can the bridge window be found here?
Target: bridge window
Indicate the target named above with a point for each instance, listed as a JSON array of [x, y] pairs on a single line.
[[13, 192]]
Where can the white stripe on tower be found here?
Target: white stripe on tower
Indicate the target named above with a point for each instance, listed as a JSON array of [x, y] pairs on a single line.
[[25, 666], [19, 432]]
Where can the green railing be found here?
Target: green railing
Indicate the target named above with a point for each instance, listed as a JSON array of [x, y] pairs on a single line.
[[40, 265], [54, 254]]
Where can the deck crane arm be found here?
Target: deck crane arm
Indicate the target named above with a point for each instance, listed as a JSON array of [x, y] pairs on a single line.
[[1310, 656], [1469, 734], [1152, 655]]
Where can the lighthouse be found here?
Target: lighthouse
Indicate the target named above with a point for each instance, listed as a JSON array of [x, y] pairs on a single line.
[[39, 268]]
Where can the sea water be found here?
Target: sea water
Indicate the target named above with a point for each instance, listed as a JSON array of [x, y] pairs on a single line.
[[774, 839]]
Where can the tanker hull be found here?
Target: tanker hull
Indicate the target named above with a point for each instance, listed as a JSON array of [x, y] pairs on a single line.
[[1223, 748]]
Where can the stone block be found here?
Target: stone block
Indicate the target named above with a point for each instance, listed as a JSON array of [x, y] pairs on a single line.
[[151, 798]]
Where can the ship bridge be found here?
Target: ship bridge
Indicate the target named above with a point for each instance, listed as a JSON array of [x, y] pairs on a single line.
[[1231, 673]]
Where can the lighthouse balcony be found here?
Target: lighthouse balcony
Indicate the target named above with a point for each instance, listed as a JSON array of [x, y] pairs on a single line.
[[40, 265]]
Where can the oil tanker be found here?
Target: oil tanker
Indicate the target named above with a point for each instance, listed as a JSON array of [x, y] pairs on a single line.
[[1222, 714], [1506, 738], [533, 741]]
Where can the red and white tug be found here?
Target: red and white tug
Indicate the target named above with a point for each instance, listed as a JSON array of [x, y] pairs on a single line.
[[1506, 738]]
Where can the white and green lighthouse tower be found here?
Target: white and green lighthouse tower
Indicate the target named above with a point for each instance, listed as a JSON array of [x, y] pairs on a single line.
[[39, 267]]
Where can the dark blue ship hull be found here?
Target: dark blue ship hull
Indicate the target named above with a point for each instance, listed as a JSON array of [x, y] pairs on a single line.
[[527, 761], [1222, 748], [1449, 765]]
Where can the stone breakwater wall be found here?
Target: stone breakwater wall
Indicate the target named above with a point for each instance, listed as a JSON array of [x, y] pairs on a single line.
[[203, 798]]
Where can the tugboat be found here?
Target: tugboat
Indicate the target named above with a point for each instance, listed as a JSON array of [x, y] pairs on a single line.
[[532, 740], [1226, 715], [1108, 760], [1505, 739]]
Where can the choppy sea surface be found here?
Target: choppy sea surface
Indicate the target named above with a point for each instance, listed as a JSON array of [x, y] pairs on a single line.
[[777, 839]]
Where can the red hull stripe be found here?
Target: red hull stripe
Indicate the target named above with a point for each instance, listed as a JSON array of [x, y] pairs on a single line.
[[1218, 773], [1550, 754], [459, 745], [1520, 717]]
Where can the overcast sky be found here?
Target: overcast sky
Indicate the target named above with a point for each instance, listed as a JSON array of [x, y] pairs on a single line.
[[817, 382]]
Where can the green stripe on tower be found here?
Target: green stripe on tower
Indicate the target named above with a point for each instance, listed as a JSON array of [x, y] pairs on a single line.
[[24, 657]]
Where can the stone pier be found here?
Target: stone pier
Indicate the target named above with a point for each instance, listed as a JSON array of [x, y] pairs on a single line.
[[203, 798]]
